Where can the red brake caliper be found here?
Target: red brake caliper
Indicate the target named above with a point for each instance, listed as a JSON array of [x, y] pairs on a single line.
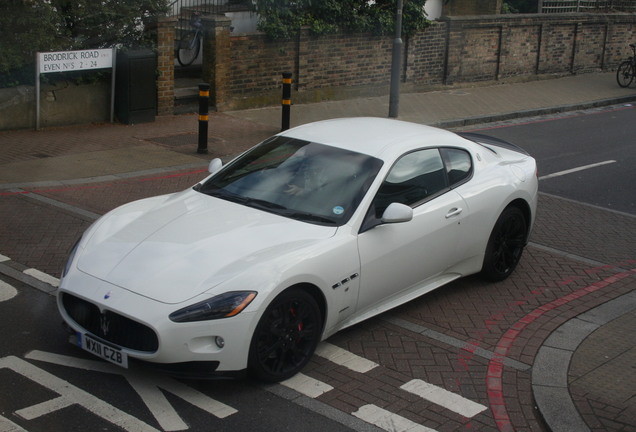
[[300, 326]]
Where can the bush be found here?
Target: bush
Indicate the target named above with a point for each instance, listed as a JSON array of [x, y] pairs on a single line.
[[31, 26], [519, 6], [282, 19]]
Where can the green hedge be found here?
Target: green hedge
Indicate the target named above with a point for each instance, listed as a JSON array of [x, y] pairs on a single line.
[[282, 19]]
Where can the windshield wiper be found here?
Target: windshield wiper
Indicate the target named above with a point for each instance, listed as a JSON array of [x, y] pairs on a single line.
[[310, 217], [223, 194], [248, 201], [255, 202]]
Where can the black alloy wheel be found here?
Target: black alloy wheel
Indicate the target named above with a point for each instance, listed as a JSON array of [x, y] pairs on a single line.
[[505, 245], [285, 337]]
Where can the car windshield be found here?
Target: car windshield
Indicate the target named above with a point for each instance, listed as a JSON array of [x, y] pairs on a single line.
[[299, 179]]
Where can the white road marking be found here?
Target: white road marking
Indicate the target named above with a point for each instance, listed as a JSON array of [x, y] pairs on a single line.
[[344, 358], [148, 385], [157, 403], [7, 425], [442, 397], [388, 421], [69, 395], [4, 258], [42, 277], [186, 393], [573, 170], [7, 292], [44, 408], [74, 362], [306, 385]]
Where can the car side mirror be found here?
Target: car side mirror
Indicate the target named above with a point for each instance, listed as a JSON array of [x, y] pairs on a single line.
[[215, 165], [396, 213]]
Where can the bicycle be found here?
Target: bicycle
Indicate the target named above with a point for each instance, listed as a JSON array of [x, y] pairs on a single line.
[[627, 70], [189, 46]]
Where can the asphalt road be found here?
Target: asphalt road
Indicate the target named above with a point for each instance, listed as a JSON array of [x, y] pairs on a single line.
[[588, 157], [446, 339]]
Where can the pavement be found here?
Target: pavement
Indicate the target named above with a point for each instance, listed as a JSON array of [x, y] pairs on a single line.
[[588, 354]]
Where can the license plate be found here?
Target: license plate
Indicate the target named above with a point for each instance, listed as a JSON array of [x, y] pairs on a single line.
[[108, 353]]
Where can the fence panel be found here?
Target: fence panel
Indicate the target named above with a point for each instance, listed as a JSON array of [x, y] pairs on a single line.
[[188, 10], [591, 6]]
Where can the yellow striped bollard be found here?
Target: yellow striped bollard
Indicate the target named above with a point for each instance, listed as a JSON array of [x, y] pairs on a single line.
[[286, 102], [204, 100]]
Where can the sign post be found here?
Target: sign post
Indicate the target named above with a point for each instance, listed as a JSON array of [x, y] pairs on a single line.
[[68, 61], [396, 64]]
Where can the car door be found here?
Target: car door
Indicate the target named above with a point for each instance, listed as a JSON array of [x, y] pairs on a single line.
[[401, 257]]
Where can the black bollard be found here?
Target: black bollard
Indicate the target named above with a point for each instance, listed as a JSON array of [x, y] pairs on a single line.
[[204, 100], [286, 102]]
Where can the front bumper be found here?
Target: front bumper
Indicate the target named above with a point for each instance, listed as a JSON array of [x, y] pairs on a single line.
[[176, 343]]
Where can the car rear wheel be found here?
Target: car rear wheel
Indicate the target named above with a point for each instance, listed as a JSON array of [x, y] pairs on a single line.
[[625, 73], [285, 337], [505, 245]]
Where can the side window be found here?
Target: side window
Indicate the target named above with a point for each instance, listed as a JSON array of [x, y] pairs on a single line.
[[458, 163], [413, 178]]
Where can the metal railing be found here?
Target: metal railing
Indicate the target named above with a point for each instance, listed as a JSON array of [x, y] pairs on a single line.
[[185, 9], [592, 6]]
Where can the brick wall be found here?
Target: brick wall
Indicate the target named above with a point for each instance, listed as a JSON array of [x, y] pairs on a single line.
[[165, 65], [426, 56], [520, 48], [321, 66], [452, 50], [357, 60], [498, 47], [256, 67]]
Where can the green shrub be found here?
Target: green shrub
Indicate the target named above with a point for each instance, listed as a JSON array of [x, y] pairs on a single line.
[[282, 19], [31, 26]]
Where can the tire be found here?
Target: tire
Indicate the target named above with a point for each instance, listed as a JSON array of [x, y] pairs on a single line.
[[625, 73], [286, 336], [505, 245], [188, 49]]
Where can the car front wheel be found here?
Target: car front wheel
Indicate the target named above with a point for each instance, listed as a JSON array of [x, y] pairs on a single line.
[[505, 245], [285, 337]]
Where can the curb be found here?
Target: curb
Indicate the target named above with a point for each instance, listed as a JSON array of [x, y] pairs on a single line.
[[491, 118], [550, 371]]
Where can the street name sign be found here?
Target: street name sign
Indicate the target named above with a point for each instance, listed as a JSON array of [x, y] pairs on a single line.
[[66, 61], [69, 61]]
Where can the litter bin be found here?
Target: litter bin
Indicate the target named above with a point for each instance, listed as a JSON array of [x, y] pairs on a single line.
[[136, 86]]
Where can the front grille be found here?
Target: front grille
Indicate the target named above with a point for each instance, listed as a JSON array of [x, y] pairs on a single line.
[[110, 326]]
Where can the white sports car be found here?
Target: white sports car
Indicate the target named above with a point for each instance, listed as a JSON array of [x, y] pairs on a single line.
[[309, 232]]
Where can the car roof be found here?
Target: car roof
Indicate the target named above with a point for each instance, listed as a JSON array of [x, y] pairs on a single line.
[[373, 135]]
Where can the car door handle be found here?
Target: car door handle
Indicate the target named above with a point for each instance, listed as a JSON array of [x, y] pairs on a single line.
[[453, 212]]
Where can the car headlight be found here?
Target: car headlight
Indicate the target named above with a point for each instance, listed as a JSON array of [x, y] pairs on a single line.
[[222, 306]]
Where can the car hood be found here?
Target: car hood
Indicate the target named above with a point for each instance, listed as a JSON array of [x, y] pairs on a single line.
[[174, 248]]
